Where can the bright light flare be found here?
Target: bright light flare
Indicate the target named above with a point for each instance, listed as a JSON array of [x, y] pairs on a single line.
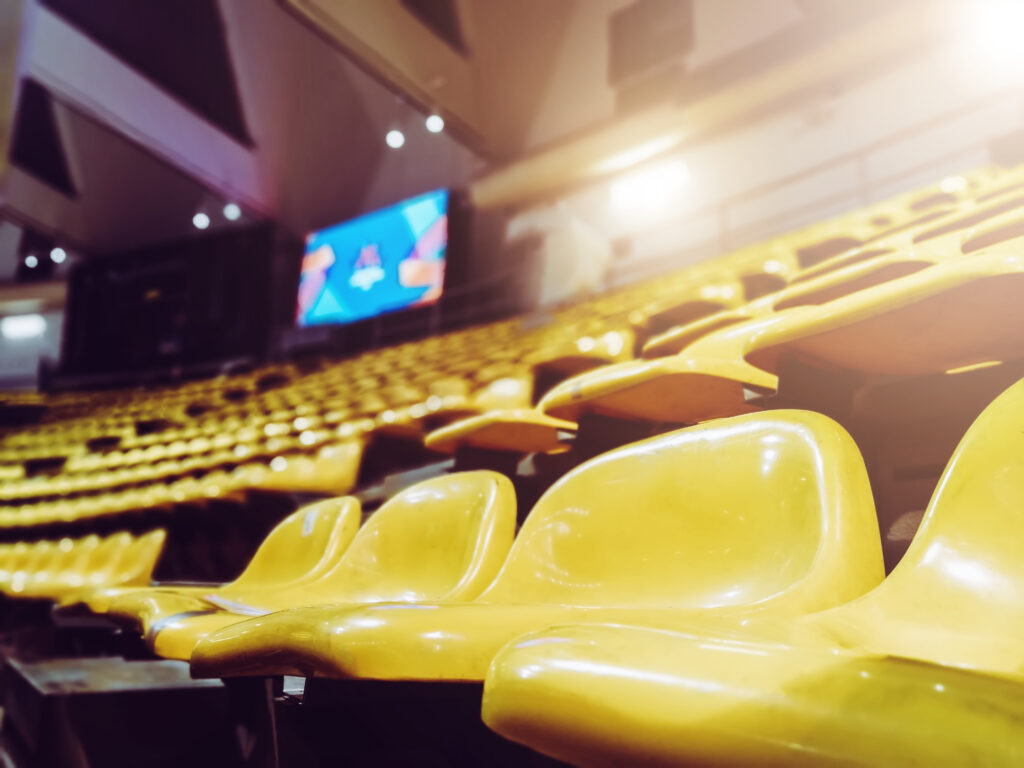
[[394, 139], [991, 39], [16, 327], [651, 190], [435, 123], [952, 184]]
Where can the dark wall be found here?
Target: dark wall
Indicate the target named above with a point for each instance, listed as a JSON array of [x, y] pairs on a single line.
[[179, 45], [198, 301]]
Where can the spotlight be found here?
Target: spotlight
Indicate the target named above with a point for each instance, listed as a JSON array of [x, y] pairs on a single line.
[[953, 184], [232, 212], [200, 221], [31, 261], [394, 138], [22, 326], [991, 34], [58, 255], [650, 190], [435, 123]]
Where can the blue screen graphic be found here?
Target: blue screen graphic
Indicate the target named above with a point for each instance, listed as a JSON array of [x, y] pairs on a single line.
[[384, 261]]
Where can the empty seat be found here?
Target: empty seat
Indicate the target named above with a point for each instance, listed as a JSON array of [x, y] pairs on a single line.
[[554, 362], [441, 539], [522, 431], [709, 385], [757, 514], [880, 680], [952, 314], [301, 547], [331, 470], [52, 570]]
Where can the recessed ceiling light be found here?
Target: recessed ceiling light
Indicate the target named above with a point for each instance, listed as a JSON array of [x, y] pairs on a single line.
[[200, 220], [232, 212], [394, 138], [31, 261], [435, 123], [58, 255]]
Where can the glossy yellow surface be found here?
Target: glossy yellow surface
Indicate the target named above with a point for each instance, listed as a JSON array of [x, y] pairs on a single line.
[[284, 427], [138, 560], [300, 548], [333, 470], [679, 337], [441, 539], [617, 696], [671, 389], [586, 352], [689, 388], [757, 514], [522, 430], [868, 683], [951, 314], [52, 570], [508, 393], [835, 278], [688, 306]]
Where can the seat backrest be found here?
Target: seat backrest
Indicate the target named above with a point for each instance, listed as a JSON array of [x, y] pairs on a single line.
[[443, 538], [302, 541], [843, 282], [17, 554], [136, 566], [768, 509], [965, 566], [108, 555], [40, 556], [81, 551]]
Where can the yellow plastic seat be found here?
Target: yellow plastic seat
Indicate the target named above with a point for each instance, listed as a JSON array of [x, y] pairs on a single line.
[[757, 514], [53, 570], [688, 389], [679, 337], [300, 548], [687, 306], [902, 247], [40, 555], [65, 571], [926, 669], [504, 393], [522, 430], [952, 314], [996, 233], [832, 279], [332, 470], [441, 539], [135, 564], [676, 389], [594, 695], [12, 557], [586, 352]]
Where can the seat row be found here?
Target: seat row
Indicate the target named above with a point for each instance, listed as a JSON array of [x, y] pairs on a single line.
[[50, 570], [916, 302], [713, 595], [491, 375]]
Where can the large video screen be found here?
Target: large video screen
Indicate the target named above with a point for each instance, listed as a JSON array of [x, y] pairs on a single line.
[[383, 261]]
